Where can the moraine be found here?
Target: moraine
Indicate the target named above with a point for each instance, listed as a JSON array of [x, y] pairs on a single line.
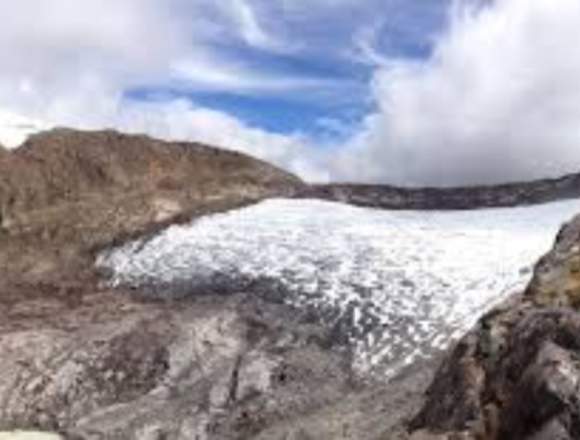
[[395, 287]]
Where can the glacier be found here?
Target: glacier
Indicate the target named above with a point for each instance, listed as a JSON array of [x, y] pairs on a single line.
[[395, 287]]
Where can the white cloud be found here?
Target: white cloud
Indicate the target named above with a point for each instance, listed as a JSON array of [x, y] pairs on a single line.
[[211, 75], [74, 67], [365, 49], [498, 101], [248, 24], [178, 120], [15, 129]]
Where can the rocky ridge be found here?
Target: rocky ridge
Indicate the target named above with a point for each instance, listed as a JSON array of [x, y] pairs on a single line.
[[66, 193], [473, 197]]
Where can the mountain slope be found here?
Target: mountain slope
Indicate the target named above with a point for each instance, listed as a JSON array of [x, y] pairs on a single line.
[[72, 191]]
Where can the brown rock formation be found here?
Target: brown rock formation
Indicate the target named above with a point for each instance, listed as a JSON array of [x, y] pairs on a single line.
[[65, 193], [516, 376]]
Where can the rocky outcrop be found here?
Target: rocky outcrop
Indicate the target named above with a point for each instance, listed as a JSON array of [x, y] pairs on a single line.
[[94, 364], [65, 193], [474, 197], [517, 374]]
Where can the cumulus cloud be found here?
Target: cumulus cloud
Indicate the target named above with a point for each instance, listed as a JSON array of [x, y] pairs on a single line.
[[75, 65], [498, 101], [15, 129]]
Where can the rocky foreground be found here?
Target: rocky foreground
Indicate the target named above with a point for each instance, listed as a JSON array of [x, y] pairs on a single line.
[[88, 362], [517, 374], [96, 364]]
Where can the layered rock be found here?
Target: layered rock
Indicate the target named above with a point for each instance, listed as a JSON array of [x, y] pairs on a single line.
[[473, 197], [517, 374]]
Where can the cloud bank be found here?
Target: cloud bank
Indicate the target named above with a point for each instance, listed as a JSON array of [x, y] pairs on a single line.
[[499, 100], [76, 65], [493, 98]]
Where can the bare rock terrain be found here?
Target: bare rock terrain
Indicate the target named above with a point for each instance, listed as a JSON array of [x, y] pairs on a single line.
[[517, 374], [112, 366], [66, 193]]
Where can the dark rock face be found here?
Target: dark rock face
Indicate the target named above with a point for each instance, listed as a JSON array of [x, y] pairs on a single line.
[[517, 374], [507, 195]]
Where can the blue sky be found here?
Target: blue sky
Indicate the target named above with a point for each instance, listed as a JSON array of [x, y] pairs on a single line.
[[421, 92], [337, 47]]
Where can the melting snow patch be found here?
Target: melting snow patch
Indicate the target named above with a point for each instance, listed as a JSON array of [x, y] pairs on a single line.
[[394, 286]]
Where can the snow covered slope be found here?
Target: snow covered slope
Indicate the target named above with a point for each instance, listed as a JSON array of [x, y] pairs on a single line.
[[393, 286]]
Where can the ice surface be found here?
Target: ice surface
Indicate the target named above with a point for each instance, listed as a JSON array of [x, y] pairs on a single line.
[[393, 286]]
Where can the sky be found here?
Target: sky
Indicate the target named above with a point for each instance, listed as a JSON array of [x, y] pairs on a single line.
[[414, 93]]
